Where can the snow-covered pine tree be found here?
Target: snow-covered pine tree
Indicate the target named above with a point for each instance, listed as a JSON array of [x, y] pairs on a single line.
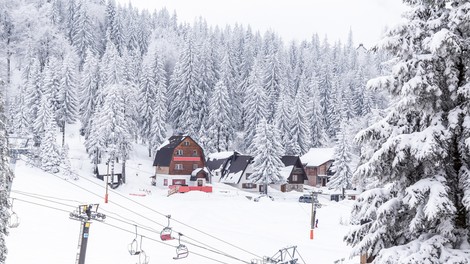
[[147, 99], [419, 213], [274, 80], [6, 177], [342, 176], [88, 90], [20, 123], [159, 118], [267, 152], [220, 119], [255, 106], [186, 106], [67, 166], [49, 151], [300, 129], [83, 38], [68, 98]]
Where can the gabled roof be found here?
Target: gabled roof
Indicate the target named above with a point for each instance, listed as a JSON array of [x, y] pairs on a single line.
[[216, 161], [235, 168], [291, 162], [196, 171], [317, 156], [166, 150]]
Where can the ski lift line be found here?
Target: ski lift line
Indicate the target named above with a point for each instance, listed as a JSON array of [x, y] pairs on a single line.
[[215, 251], [47, 200], [151, 209], [212, 249], [158, 241], [125, 230], [102, 197], [43, 205], [47, 196]]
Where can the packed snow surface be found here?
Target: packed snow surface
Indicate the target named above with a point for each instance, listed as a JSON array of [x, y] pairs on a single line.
[[225, 226]]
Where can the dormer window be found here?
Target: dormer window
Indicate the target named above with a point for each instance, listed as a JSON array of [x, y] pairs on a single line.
[[186, 143], [179, 152]]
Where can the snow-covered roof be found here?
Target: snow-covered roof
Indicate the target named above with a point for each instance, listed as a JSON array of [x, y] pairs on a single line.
[[196, 171], [317, 156], [220, 155], [232, 177], [286, 171]]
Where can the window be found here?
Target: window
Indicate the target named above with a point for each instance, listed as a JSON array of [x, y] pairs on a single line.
[[295, 178], [179, 182], [186, 143], [200, 182], [178, 166], [179, 152], [195, 166], [195, 153], [165, 182]]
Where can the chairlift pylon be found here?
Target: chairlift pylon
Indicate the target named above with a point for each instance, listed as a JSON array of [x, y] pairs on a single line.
[[181, 250], [165, 234]]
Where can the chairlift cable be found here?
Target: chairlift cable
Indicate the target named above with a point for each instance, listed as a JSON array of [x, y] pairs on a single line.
[[45, 199], [151, 209], [128, 231]]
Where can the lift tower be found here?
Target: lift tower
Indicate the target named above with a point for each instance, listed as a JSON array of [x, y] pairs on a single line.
[[84, 214]]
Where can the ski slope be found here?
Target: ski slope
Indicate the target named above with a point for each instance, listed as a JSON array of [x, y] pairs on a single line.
[[222, 227]]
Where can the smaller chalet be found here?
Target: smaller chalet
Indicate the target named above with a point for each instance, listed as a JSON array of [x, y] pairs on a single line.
[[180, 161], [115, 174], [294, 173], [237, 169], [317, 163]]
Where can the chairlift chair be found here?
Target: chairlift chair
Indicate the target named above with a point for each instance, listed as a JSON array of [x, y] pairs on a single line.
[[133, 247], [143, 259], [165, 234], [181, 250], [13, 220]]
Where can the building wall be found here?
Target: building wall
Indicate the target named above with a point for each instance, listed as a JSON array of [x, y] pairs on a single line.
[[186, 158]]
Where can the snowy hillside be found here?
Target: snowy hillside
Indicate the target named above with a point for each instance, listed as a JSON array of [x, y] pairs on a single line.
[[222, 227]]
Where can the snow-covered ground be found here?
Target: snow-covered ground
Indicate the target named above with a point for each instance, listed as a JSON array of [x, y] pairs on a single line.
[[222, 227]]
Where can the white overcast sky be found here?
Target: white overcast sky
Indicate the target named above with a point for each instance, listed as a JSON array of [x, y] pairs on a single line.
[[292, 19]]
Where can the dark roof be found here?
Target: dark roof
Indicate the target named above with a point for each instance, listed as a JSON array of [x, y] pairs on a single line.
[[237, 163], [165, 153], [290, 160], [294, 161], [218, 163]]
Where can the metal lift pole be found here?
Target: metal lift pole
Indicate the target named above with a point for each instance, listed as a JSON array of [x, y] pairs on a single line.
[[84, 241], [84, 214]]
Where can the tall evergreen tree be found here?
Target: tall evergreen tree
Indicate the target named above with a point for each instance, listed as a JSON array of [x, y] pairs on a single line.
[[342, 176], [88, 90], [187, 104], [68, 98], [49, 151], [267, 152], [255, 105], [419, 212], [300, 129], [6, 177], [220, 119]]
